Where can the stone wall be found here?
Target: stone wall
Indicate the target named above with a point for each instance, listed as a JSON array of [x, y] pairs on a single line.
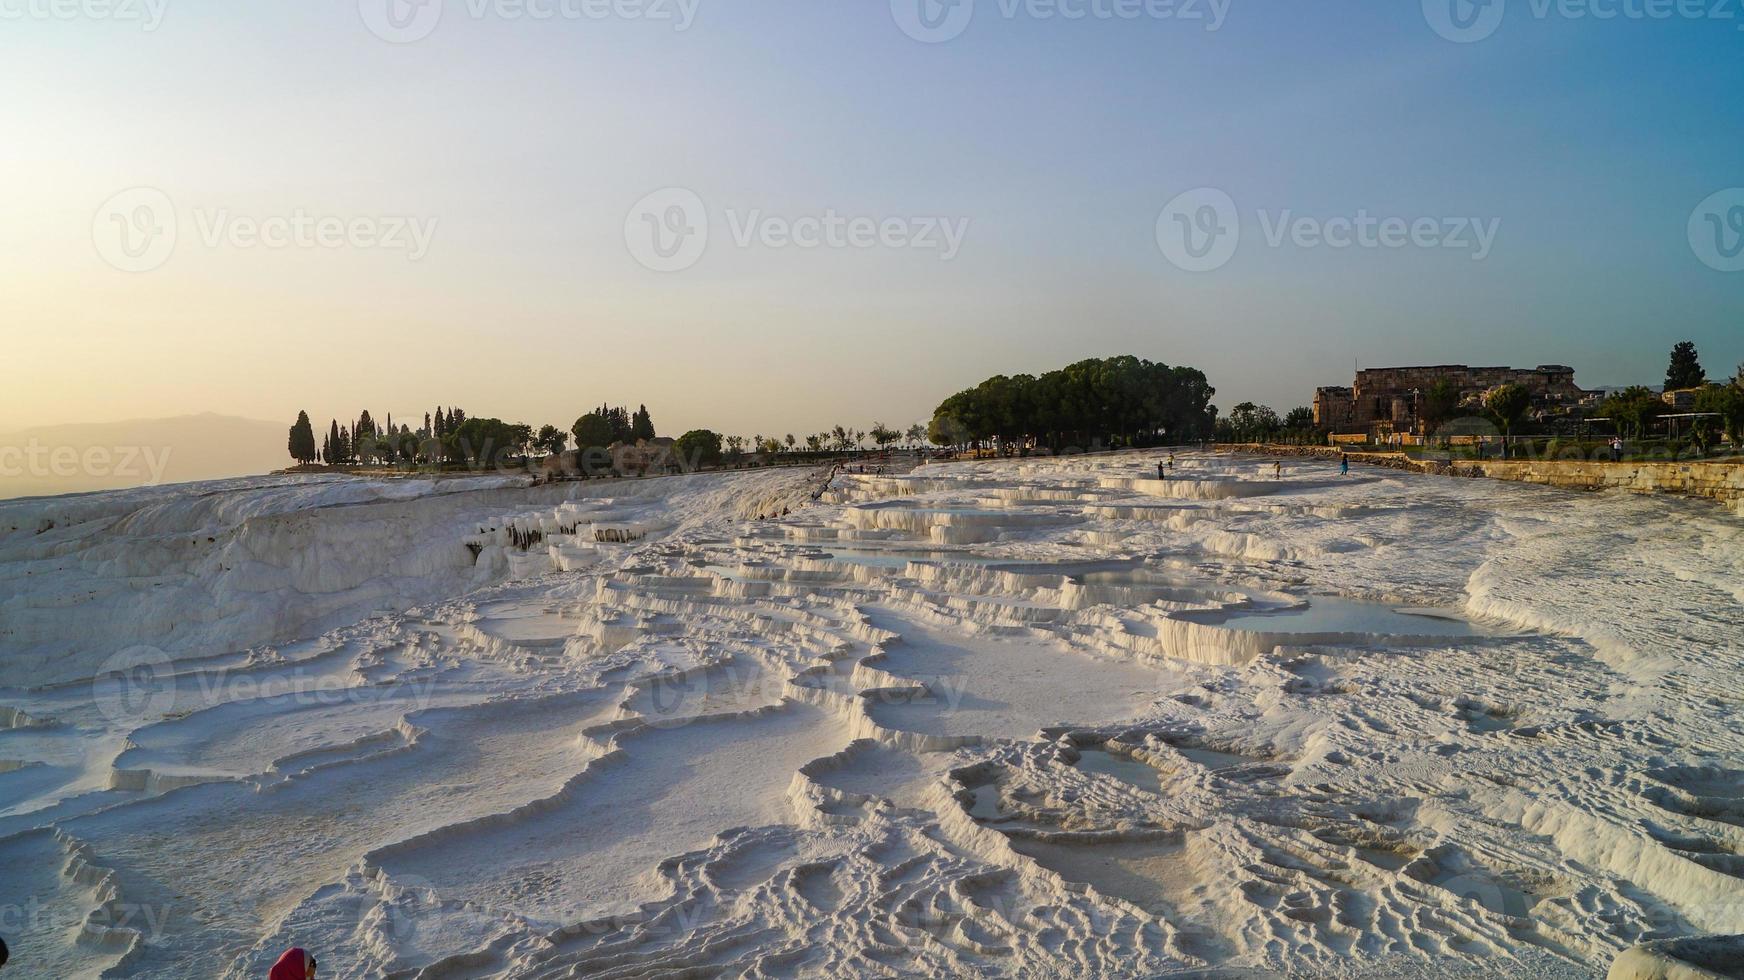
[[1334, 407], [1721, 482], [1545, 380]]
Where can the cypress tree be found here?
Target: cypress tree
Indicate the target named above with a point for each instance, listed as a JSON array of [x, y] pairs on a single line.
[[302, 439], [363, 437]]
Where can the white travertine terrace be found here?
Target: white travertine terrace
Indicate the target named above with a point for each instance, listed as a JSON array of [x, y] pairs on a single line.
[[1044, 717]]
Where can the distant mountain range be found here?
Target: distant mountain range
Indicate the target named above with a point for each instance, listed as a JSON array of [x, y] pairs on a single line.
[[75, 458]]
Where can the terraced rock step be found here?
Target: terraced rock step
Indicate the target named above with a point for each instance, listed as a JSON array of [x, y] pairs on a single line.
[[1037, 717]]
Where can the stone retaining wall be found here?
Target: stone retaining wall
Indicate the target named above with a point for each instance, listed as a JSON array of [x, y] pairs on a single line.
[[1721, 482]]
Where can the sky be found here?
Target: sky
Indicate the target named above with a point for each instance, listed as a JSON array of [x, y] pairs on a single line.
[[776, 216]]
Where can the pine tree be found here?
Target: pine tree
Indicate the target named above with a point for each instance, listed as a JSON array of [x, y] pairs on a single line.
[[335, 449], [1685, 370], [641, 424]]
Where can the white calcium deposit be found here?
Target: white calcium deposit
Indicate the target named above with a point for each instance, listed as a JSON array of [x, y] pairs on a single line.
[[1028, 718]]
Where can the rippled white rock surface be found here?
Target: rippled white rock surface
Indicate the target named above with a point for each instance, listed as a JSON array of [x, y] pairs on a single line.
[[1037, 718]]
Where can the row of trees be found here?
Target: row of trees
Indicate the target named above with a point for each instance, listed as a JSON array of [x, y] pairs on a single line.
[[1248, 422], [442, 439], [840, 439], [449, 436], [1115, 401]]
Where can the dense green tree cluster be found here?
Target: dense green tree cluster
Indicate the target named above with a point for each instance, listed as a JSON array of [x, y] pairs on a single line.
[[1248, 422], [593, 431], [1507, 405], [1726, 401], [487, 442], [607, 424], [551, 440], [698, 447], [1440, 403], [1116, 401], [1633, 410]]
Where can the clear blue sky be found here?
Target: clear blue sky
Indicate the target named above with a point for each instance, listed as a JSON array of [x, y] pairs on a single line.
[[1059, 141]]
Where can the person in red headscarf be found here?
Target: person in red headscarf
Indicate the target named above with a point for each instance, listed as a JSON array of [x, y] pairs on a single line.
[[296, 963]]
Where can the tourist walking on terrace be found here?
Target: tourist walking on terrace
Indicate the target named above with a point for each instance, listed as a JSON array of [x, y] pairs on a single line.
[[1161, 475], [1278, 470], [295, 963], [1343, 464]]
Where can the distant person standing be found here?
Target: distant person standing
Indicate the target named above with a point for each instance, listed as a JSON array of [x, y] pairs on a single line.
[[1161, 475], [1278, 470], [1616, 449], [1343, 464]]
